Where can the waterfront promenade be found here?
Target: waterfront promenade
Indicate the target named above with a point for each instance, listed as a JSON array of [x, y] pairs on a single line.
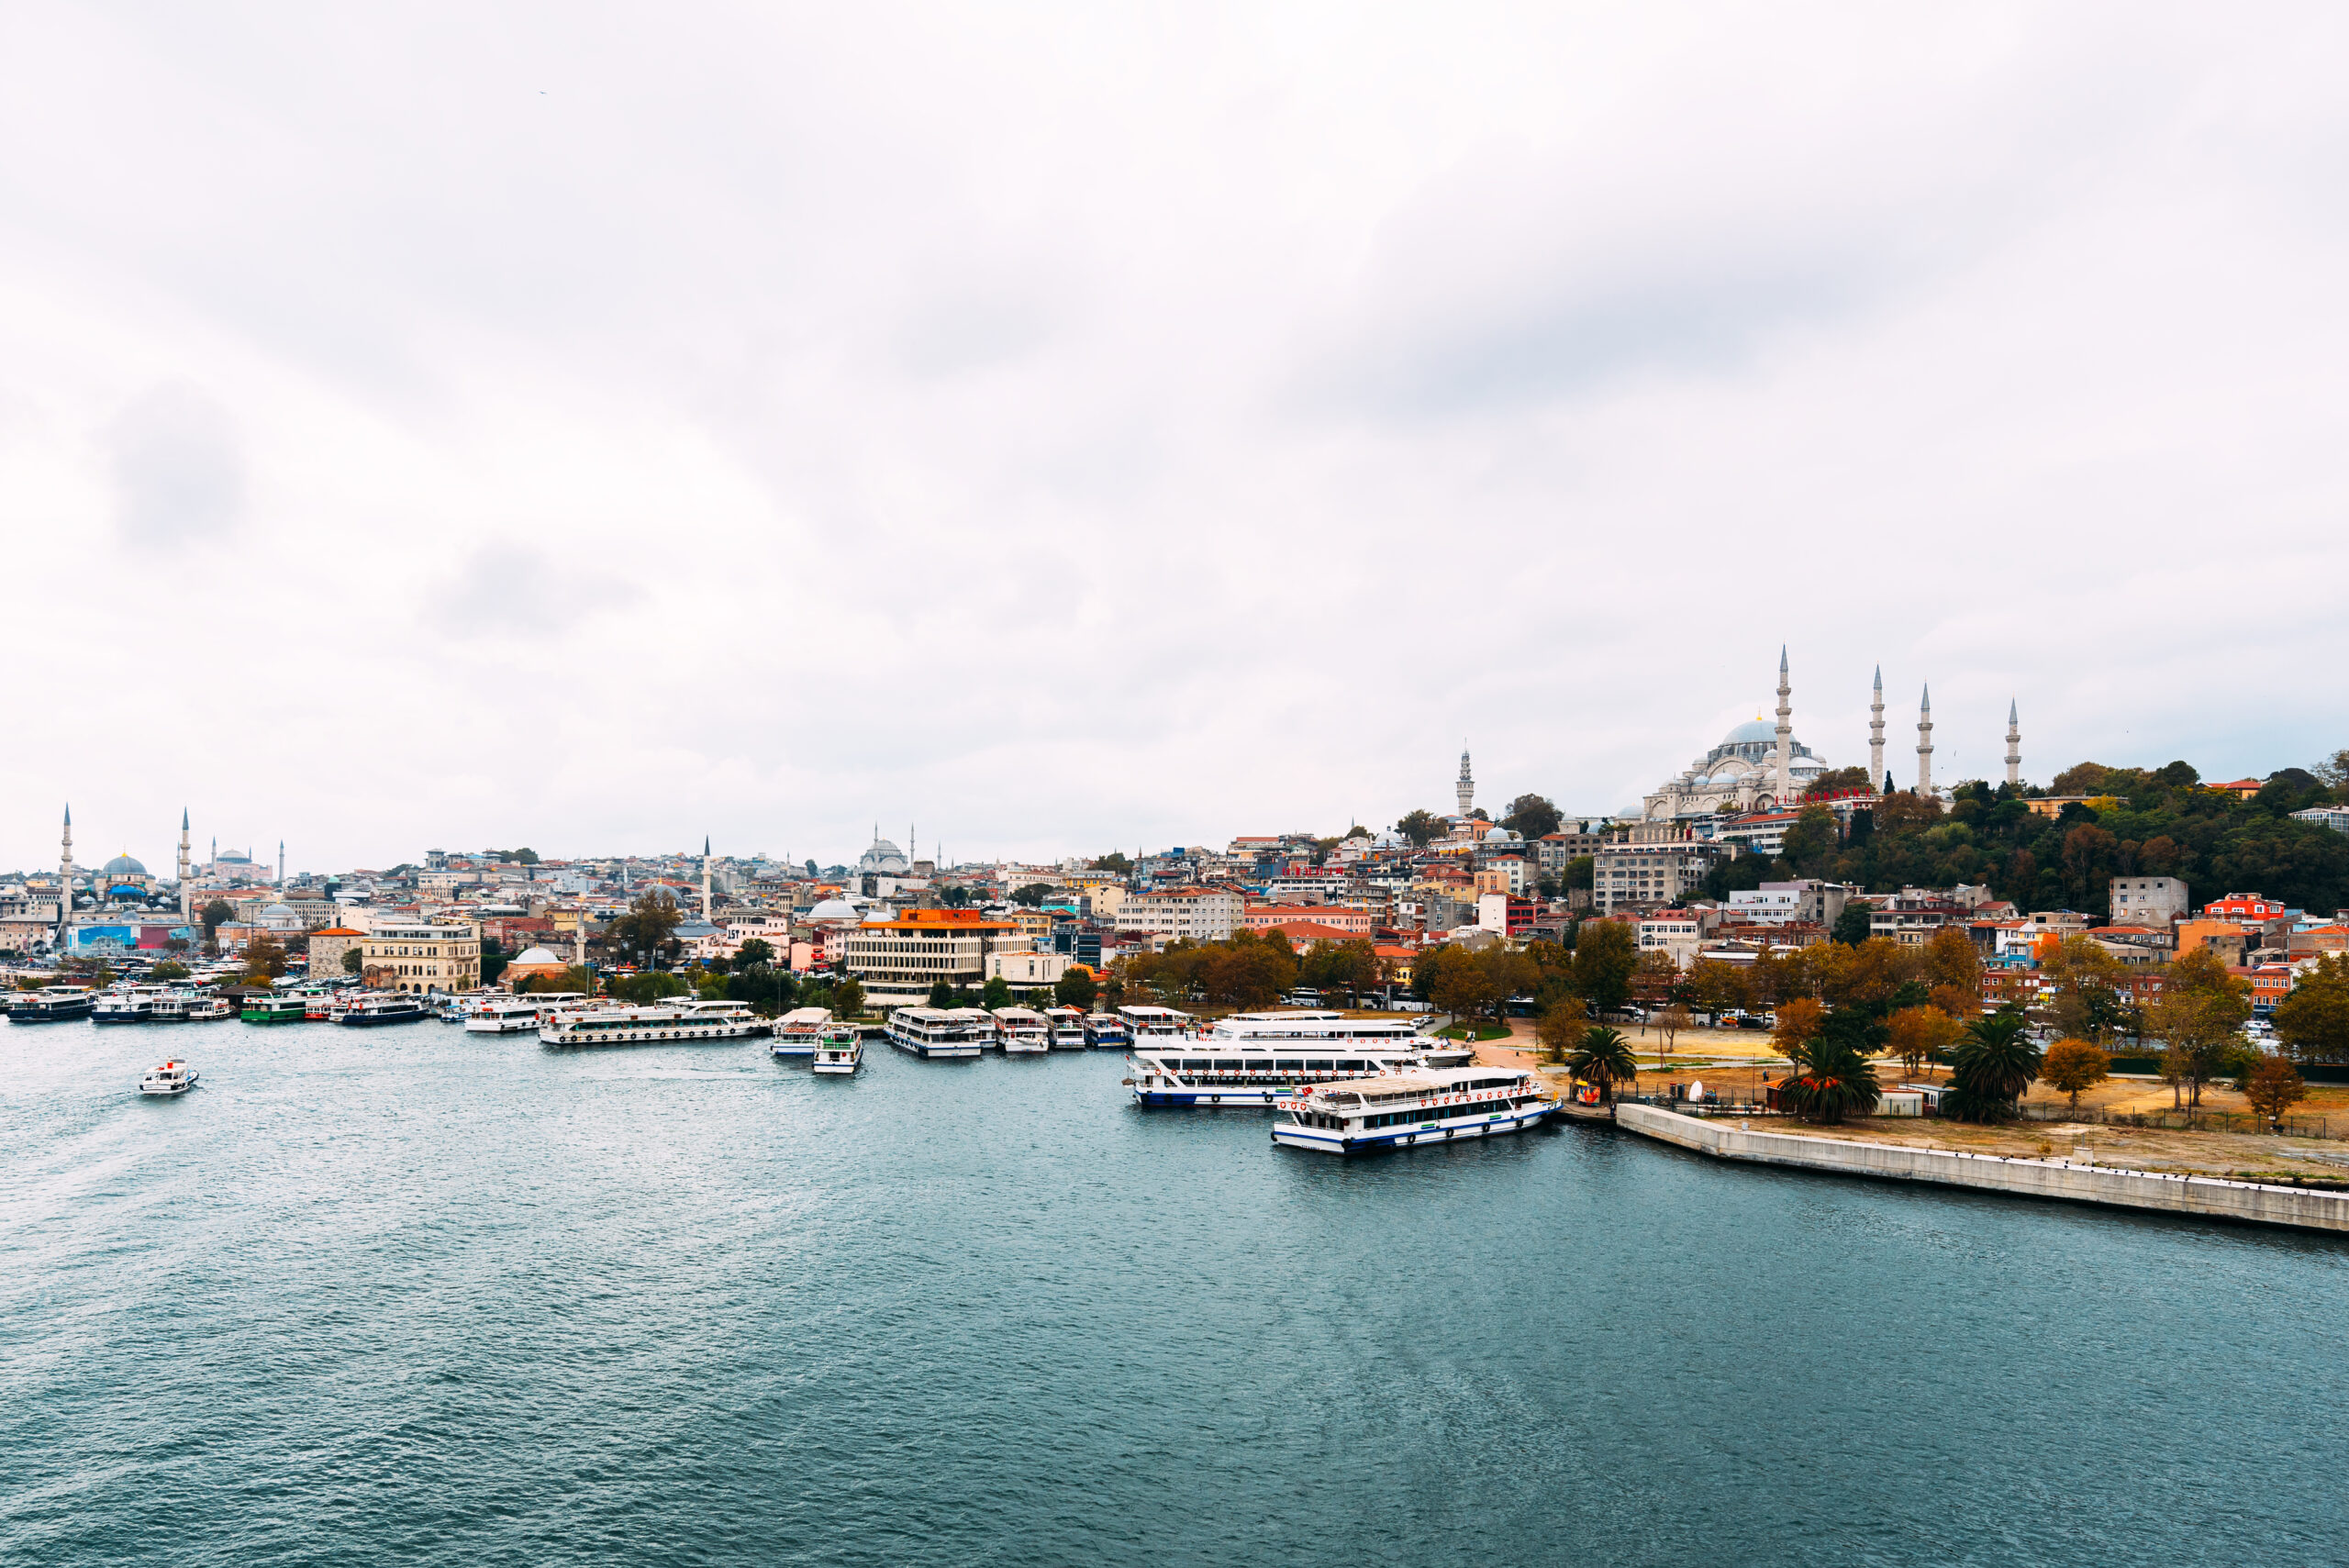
[[2076, 1182]]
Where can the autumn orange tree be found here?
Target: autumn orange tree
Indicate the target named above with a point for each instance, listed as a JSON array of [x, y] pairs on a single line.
[[1922, 1034], [2273, 1086], [2073, 1065]]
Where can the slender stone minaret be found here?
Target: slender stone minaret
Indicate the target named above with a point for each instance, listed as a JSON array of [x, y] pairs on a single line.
[[1875, 733], [1467, 785], [1925, 743], [705, 879], [184, 904], [65, 855], [2014, 745], [280, 862], [1782, 784]]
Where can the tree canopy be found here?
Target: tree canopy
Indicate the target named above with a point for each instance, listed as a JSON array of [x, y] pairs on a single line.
[[1532, 817], [1420, 827]]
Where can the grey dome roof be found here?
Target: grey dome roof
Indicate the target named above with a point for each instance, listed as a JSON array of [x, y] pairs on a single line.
[[538, 955], [1752, 730], [834, 909], [122, 865]]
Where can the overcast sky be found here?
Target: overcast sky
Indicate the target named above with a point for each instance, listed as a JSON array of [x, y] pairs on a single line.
[[1063, 428]]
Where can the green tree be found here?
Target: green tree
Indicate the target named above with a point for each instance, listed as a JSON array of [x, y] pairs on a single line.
[[168, 971], [1075, 988], [1420, 827], [648, 987], [754, 953], [1991, 1065], [2071, 1066], [942, 994], [1032, 896], [1606, 956], [1603, 1059], [2199, 1017], [1532, 817], [648, 928], [492, 959], [848, 999], [1580, 874], [1810, 839], [216, 915], [1833, 1082], [1454, 981], [1838, 779], [351, 960], [2312, 1022], [1115, 861], [1851, 927], [995, 993]]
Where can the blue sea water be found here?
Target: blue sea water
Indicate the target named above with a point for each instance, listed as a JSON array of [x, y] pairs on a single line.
[[411, 1295]]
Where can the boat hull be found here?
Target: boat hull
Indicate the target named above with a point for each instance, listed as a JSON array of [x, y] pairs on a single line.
[[378, 1020], [939, 1052], [651, 1034]]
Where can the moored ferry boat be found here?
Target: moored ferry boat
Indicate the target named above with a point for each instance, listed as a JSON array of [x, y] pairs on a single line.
[[127, 1004], [274, 1010], [384, 1008], [171, 1078], [840, 1050], [798, 1030], [1313, 1025], [50, 1005], [1244, 1073], [662, 1024], [936, 1032], [1152, 1026], [1108, 1031], [1068, 1027], [1022, 1031], [523, 1014], [206, 1010], [1395, 1110]]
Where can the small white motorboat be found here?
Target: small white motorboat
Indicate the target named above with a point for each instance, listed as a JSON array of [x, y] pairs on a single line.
[[171, 1078], [839, 1049]]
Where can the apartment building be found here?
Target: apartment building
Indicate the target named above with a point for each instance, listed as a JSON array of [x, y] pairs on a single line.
[[431, 956], [1650, 875], [1205, 914], [897, 961]]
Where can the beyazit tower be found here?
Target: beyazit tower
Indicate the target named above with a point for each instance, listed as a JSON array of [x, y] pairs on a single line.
[[1467, 787]]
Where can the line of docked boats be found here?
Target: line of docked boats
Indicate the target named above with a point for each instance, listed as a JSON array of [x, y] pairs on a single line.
[[950, 1032]]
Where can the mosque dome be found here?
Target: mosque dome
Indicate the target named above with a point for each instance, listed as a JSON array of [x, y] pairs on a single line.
[[279, 912], [1752, 730], [235, 858], [122, 865], [834, 909], [538, 955]]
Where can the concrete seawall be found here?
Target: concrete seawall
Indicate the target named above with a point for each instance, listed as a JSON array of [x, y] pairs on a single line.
[[2205, 1195]]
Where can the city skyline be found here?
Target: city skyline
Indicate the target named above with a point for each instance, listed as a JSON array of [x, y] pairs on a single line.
[[760, 422]]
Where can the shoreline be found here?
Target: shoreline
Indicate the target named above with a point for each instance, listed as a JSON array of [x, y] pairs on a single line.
[[2208, 1197]]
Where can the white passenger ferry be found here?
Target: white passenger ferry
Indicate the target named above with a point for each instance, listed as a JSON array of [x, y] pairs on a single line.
[[1395, 1110], [840, 1052], [1250, 1073], [668, 1022], [1068, 1027], [1022, 1031], [1107, 1031], [171, 1078], [931, 1032], [796, 1033], [523, 1014], [1313, 1025], [1147, 1026]]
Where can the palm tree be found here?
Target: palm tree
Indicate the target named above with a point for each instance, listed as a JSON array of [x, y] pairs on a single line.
[[1604, 1058], [1833, 1081], [1990, 1067]]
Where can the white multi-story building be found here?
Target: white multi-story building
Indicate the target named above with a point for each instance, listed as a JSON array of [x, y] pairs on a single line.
[[1650, 875], [2152, 901], [1679, 933], [1782, 903], [1203, 914], [897, 961]]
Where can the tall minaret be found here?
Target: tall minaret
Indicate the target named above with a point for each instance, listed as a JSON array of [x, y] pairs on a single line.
[[184, 904], [280, 862], [65, 856], [1875, 733], [705, 879], [2014, 745], [1782, 786], [1925, 743], [1467, 787]]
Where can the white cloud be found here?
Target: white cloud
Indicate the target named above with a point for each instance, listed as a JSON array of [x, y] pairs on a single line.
[[1068, 427]]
